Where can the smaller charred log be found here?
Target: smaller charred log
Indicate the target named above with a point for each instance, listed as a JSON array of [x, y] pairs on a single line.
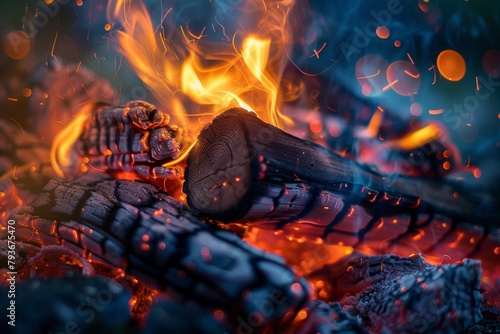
[[135, 138], [355, 273], [435, 299]]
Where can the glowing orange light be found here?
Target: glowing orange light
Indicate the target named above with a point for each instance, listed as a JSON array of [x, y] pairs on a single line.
[[382, 32], [79, 3], [316, 126], [107, 27], [241, 72], [63, 142], [302, 315], [477, 173], [496, 251], [436, 111], [397, 44], [218, 314], [417, 138], [26, 92], [17, 44], [446, 165], [451, 65]]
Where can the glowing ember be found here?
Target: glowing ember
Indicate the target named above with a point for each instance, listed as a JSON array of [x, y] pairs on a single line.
[[382, 32], [451, 65]]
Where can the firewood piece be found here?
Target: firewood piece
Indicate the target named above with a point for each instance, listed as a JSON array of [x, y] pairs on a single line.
[[133, 138], [69, 302], [356, 272], [242, 169], [327, 318], [154, 237], [437, 299]]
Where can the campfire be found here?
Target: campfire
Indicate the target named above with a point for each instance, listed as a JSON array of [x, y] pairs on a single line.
[[262, 166]]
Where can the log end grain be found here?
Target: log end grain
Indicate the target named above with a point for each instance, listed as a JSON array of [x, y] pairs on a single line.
[[218, 172]]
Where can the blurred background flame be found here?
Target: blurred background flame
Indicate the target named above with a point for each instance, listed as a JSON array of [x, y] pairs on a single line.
[[354, 76]]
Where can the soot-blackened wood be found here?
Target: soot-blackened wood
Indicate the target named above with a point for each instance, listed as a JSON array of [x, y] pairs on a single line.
[[242, 169], [437, 299], [326, 318], [136, 227], [356, 272]]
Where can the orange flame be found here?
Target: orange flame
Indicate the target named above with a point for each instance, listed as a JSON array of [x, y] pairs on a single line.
[[60, 150], [244, 71]]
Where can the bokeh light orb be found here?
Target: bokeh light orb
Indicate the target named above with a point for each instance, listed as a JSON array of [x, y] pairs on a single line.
[[370, 72], [416, 109], [451, 65], [383, 32], [17, 44], [491, 63], [403, 77]]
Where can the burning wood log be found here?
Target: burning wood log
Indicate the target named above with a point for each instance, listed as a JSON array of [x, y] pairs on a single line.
[[136, 227], [133, 141], [242, 169]]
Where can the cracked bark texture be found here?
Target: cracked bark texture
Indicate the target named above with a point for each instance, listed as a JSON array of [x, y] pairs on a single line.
[[435, 299], [134, 138], [136, 227]]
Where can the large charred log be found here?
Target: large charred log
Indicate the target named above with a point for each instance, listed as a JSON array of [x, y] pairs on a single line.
[[136, 227], [245, 170]]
